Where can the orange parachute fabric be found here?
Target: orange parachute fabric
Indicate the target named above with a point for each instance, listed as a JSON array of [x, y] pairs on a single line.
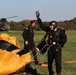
[[11, 62], [11, 39]]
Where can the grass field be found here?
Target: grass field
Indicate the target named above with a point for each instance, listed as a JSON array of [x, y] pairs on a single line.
[[68, 52]]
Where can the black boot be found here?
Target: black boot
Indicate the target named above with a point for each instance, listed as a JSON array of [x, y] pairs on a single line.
[[36, 60], [30, 69]]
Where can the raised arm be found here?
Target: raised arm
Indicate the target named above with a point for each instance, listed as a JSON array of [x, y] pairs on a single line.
[[42, 26]]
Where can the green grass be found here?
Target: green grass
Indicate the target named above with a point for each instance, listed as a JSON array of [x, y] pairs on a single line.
[[68, 52]]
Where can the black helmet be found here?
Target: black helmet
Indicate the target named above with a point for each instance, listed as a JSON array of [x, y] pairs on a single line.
[[54, 23]]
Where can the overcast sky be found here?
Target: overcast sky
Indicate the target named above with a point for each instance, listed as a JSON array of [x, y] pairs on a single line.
[[58, 10]]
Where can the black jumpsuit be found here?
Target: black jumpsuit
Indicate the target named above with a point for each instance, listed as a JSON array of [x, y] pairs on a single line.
[[28, 35], [55, 39]]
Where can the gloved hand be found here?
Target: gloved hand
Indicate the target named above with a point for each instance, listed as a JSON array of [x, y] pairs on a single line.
[[37, 14]]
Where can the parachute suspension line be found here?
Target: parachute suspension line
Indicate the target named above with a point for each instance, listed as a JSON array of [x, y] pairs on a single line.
[[39, 51], [43, 54]]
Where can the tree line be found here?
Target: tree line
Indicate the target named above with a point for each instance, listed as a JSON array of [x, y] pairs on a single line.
[[67, 24]]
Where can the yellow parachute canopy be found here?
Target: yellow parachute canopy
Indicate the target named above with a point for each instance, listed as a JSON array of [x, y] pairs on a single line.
[[11, 39], [11, 62]]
